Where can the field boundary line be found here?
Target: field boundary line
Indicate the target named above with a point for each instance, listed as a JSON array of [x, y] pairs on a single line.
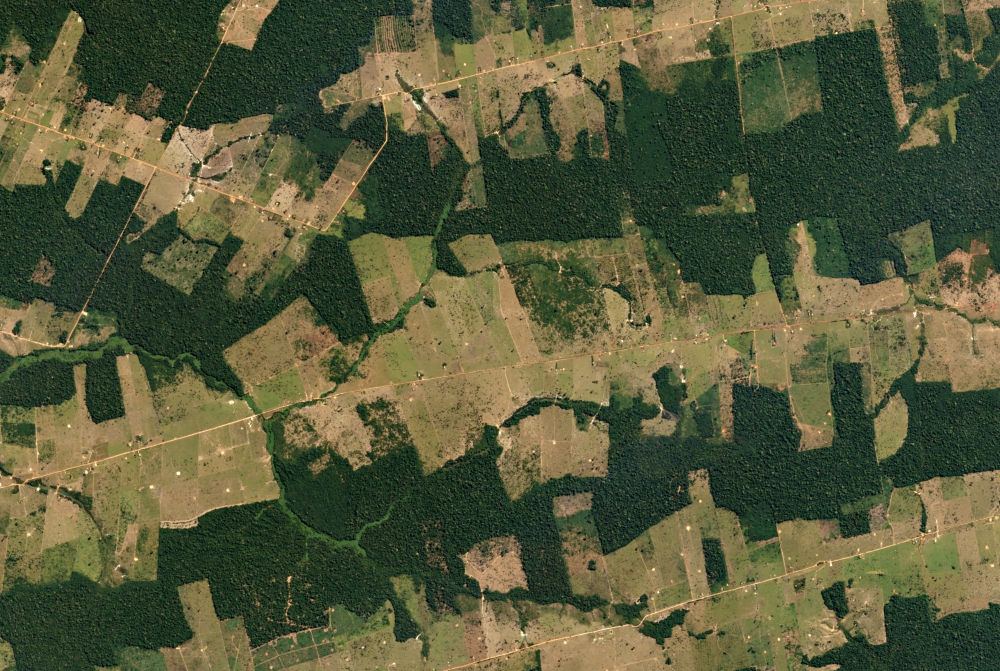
[[222, 40], [264, 414], [261, 208], [83, 310], [445, 82], [781, 70], [816, 567], [355, 184]]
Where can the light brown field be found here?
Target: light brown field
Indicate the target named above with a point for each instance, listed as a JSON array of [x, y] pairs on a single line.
[[496, 564], [832, 298], [565, 506], [240, 21]]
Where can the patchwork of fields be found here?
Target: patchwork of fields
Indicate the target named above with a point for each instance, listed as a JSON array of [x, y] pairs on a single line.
[[518, 336]]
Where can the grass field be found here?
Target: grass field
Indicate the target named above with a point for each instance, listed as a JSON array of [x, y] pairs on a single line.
[[581, 320]]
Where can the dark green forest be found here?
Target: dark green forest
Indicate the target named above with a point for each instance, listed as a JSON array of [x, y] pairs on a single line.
[[918, 640], [45, 382], [918, 42], [762, 476], [685, 148], [36, 227], [320, 131], [844, 162], [402, 194], [103, 390], [663, 629], [418, 524], [835, 598], [990, 49], [715, 563], [77, 625], [247, 554], [127, 44], [948, 433], [544, 198], [159, 318], [453, 19], [303, 46]]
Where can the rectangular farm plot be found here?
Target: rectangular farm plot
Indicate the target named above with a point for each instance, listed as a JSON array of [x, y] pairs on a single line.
[[476, 252], [388, 273], [943, 574], [801, 77], [274, 169], [804, 543], [582, 552], [752, 32], [207, 649], [375, 272], [446, 416], [917, 245], [261, 254], [772, 366], [280, 390], [138, 399], [228, 466], [429, 350], [550, 445], [66, 436], [209, 215], [185, 406], [792, 23], [762, 90], [559, 286], [470, 308], [181, 264], [892, 351], [293, 337], [831, 16], [814, 413], [163, 194]]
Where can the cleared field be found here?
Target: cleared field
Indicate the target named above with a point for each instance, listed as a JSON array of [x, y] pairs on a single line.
[[496, 564], [292, 339], [550, 445], [834, 298]]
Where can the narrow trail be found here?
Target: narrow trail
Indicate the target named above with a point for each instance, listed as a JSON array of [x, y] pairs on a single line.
[[83, 310], [208, 69]]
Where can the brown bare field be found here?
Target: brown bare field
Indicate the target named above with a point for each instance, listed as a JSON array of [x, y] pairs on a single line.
[[496, 564], [867, 615], [565, 506], [335, 422], [962, 292], [293, 337], [832, 298], [446, 416], [240, 21], [887, 44], [966, 355]]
